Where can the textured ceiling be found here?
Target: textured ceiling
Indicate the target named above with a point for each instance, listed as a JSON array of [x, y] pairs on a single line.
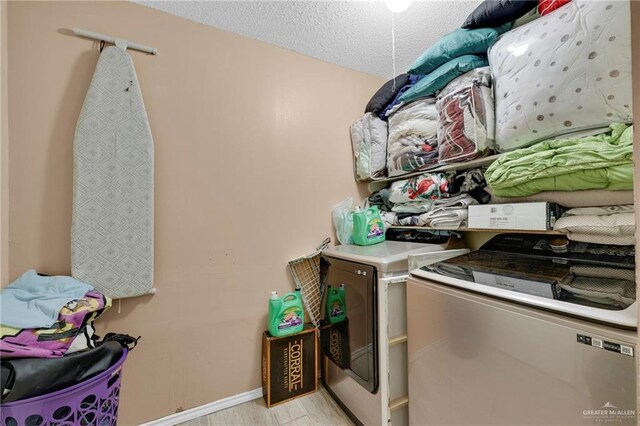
[[353, 34]]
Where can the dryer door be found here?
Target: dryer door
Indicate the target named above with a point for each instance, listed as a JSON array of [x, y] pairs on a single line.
[[352, 343]]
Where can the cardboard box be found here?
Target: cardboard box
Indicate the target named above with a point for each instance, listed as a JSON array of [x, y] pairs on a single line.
[[539, 216], [289, 366]]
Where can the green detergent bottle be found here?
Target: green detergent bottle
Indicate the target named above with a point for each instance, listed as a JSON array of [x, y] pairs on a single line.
[[286, 314], [336, 308], [368, 227]]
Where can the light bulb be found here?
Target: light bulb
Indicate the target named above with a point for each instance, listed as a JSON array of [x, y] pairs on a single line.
[[397, 6]]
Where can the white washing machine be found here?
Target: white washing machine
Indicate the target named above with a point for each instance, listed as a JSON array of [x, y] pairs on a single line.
[[523, 333], [364, 357]]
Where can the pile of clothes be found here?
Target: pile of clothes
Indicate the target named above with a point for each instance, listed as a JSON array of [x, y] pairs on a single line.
[[47, 329], [436, 200]]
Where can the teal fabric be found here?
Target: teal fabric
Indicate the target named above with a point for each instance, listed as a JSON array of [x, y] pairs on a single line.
[[604, 161], [453, 45], [34, 301], [438, 79]]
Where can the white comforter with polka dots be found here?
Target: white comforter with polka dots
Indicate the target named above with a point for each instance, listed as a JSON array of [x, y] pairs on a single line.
[[567, 71]]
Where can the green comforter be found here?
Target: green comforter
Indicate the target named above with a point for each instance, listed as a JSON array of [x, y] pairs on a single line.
[[595, 162]]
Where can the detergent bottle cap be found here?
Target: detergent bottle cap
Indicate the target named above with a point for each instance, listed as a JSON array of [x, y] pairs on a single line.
[[274, 295]]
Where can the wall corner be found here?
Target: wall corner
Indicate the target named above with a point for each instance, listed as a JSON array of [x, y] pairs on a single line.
[[4, 144]]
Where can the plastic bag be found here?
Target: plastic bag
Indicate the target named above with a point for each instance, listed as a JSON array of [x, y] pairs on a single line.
[[342, 214], [466, 128]]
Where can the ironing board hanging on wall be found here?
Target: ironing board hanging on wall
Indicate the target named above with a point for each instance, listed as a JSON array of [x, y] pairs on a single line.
[[112, 224]]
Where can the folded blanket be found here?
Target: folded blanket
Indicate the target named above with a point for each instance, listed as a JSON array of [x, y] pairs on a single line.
[[609, 286], [571, 199], [457, 202], [604, 161], [413, 137], [466, 110], [616, 178], [402, 219], [449, 212], [450, 218], [369, 143], [599, 225], [424, 187], [417, 206]]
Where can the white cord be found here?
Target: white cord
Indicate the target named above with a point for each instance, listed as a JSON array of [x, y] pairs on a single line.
[[393, 49]]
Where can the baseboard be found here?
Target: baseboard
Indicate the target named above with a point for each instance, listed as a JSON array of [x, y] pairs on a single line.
[[205, 409]]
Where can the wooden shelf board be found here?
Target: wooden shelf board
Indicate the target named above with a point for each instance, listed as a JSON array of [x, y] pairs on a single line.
[[495, 231], [471, 164]]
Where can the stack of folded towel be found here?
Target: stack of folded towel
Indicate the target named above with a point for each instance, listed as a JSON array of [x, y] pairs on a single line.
[[450, 213]]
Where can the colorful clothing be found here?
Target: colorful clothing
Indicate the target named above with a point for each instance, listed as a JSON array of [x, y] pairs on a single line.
[[74, 320], [424, 187]]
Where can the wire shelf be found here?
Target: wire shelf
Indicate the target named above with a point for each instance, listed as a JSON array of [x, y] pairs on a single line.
[[306, 272]]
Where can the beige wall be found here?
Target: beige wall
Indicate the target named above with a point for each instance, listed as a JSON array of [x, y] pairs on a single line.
[[252, 150], [4, 146]]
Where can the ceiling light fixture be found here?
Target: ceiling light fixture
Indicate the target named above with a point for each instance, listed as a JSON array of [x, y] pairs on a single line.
[[397, 6]]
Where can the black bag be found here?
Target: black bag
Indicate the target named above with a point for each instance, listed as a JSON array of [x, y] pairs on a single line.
[[29, 377]]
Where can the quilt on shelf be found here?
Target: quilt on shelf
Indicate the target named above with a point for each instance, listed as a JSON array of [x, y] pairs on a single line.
[[604, 161], [413, 137]]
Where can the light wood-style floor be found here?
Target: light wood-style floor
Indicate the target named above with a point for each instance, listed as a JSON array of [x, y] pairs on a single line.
[[315, 409]]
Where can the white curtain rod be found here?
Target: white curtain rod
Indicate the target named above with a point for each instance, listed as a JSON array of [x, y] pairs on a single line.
[[110, 39]]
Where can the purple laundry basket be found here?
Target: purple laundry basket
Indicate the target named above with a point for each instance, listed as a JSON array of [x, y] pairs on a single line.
[[92, 402]]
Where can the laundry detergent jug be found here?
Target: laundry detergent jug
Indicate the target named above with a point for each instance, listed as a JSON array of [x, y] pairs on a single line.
[[368, 227], [336, 308], [286, 314]]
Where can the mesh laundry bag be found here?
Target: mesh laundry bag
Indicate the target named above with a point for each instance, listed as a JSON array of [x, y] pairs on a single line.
[[92, 402]]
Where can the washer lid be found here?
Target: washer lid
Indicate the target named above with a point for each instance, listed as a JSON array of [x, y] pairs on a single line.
[[388, 256], [533, 281]]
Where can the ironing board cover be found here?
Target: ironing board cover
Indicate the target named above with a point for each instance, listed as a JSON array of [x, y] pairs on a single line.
[[112, 224]]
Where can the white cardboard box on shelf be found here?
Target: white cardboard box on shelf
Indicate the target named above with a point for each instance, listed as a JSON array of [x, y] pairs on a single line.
[[540, 216]]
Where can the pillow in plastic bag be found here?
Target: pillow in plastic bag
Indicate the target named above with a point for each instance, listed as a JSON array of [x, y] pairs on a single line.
[[565, 72]]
